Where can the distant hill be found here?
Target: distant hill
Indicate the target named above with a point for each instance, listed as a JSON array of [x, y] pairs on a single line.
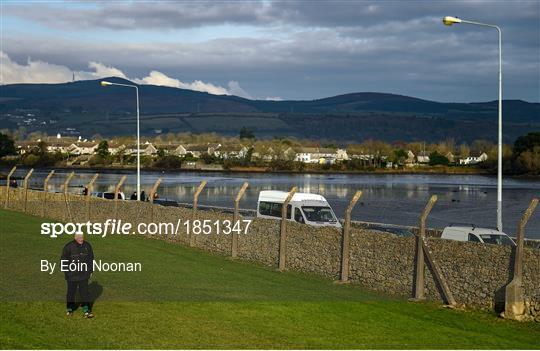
[[87, 108]]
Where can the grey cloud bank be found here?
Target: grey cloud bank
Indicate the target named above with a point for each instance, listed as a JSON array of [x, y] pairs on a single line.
[[298, 49]]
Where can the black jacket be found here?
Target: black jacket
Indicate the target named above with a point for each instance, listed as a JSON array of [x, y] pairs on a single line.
[[75, 253]]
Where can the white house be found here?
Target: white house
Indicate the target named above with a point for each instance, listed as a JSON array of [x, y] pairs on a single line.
[[317, 155], [231, 151], [147, 149], [422, 157], [341, 155], [472, 160], [307, 155]]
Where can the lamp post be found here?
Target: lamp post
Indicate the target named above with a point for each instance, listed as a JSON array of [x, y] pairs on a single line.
[[449, 20], [105, 83]]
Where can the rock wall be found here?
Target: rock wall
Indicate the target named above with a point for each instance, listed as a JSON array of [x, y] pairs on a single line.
[[475, 273]]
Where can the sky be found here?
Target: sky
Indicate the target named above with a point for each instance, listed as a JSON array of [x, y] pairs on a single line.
[[278, 50]]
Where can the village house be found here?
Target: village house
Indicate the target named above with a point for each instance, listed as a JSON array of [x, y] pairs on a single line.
[[410, 161], [423, 157], [450, 156], [472, 160], [262, 152], [231, 151], [146, 149], [307, 155], [168, 149], [317, 155], [196, 150]]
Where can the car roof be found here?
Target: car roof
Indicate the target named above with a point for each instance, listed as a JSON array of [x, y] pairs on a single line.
[[476, 230], [280, 196]]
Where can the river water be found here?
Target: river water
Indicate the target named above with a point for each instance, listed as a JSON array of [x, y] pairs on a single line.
[[387, 198]]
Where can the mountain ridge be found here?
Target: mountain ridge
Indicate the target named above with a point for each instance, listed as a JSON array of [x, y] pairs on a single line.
[[355, 116]]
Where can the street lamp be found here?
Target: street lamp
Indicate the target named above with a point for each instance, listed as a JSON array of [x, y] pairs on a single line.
[[449, 20], [105, 83]]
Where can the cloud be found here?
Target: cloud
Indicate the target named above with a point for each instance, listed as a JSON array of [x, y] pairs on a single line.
[[322, 13], [158, 78], [101, 70], [37, 71], [34, 71], [235, 89], [293, 49], [42, 72]]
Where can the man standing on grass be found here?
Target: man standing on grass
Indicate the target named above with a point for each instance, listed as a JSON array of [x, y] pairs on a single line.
[[79, 257]]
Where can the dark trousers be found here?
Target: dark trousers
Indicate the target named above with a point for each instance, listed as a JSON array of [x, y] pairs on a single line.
[[72, 287]]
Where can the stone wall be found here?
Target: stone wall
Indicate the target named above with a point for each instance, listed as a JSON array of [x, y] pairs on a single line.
[[476, 273]]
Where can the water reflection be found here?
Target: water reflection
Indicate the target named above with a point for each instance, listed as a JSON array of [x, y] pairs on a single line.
[[396, 199]]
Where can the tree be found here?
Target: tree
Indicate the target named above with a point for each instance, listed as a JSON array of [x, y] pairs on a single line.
[[526, 142], [161, 152], [103, 149], [436, 158], [399, 156], [246, 133], [530, 160], [7, 145]]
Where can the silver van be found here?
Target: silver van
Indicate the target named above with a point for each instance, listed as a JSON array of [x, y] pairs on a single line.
[[477, 235]]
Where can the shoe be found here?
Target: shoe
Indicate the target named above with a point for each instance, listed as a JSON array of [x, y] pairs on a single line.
[[69, 313], [88, 315]]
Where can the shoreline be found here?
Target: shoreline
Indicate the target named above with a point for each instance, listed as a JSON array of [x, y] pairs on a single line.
[[256, 170], [252, 170]]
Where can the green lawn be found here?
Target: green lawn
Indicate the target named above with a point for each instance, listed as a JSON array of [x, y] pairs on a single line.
[[185, 298]]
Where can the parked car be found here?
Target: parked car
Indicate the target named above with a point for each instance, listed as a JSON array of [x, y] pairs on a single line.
[[311, 209], [477, 234], [109, 195]]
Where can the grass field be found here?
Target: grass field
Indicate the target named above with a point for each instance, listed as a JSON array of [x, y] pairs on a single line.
[[185, 298]]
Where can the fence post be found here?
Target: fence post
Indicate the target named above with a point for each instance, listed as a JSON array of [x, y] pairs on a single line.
[[234, 238], [345, 238], [514, 303], [438, 276], [25, 184], [419, 293], [89, 189], [283, 229], [116, 191], [66, 185], [152, 194], [45, 190], [8, 186], [194, 212]]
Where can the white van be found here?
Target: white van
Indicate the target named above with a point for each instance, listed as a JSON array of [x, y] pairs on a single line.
[[478, 235], [305, 208]]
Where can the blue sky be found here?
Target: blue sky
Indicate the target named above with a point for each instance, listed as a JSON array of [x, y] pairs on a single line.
[[279, 49]]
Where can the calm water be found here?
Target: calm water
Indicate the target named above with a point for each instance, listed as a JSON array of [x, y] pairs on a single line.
[[395, 199]]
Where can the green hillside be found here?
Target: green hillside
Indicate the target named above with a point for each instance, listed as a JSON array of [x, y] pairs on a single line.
[[89, 108], [185, 298]]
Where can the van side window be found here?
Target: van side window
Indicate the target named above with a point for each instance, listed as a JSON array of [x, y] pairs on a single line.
[[473, 238], [273, 209]]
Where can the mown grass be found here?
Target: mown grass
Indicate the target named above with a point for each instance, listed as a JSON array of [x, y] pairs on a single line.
[[185, 298]]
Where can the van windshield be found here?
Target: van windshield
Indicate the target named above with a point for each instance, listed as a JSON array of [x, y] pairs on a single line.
[[318, 214], [497, 239]]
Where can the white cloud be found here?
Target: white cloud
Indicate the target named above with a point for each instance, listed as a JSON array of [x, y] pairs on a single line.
[[42, 72], [32, 72], [102, 70], [158, 78], [235, 89], [273, 98]]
